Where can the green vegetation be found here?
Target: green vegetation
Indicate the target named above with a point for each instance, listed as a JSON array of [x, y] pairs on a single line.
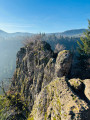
[[84, 48], [84, 45], [3, 107], [12, 107], [30, 118]]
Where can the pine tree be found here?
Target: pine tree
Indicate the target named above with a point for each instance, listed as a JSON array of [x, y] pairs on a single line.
[[84, 48], [84, 44]]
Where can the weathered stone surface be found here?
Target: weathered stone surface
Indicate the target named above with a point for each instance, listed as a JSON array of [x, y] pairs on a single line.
[[49, 72], [63, 63], [29, 74], [39, 79], [87, 88], [77, 84], [56, 101]]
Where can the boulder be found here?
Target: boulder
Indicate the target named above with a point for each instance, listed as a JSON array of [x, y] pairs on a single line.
[[63, 63]]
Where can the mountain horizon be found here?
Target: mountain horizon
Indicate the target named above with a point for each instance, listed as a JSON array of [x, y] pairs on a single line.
[[70, 30]]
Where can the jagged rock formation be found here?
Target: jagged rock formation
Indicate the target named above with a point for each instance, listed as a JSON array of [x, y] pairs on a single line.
[[40, 78], [29, 74]]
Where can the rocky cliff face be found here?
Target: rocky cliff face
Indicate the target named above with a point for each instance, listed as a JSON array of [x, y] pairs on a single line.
[[41, 80], [29, 75]]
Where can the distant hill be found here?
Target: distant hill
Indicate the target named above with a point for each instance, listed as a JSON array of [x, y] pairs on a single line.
[[75, 32], [70, 33], [2, 33]]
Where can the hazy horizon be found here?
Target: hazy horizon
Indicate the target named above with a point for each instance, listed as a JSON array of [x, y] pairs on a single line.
[[43, 32]]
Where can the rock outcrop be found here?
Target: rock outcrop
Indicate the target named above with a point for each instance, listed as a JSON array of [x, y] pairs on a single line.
[[41, 80], [63, 63], [29, 74], [57, 102]]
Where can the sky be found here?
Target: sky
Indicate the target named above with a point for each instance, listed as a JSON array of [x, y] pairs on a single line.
[[46, 16]]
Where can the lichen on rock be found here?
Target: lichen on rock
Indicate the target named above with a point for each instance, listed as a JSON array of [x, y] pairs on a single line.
[[77, 84], [63, 63], [55, 101], [41, 79]]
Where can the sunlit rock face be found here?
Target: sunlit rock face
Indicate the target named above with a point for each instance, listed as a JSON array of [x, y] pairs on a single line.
[[87, 88], [57, 101], [41, 79], [63, 63], [29, 74]]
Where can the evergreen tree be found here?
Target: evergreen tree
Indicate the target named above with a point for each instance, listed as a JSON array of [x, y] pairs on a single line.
[[84, 44], [84, 49]]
